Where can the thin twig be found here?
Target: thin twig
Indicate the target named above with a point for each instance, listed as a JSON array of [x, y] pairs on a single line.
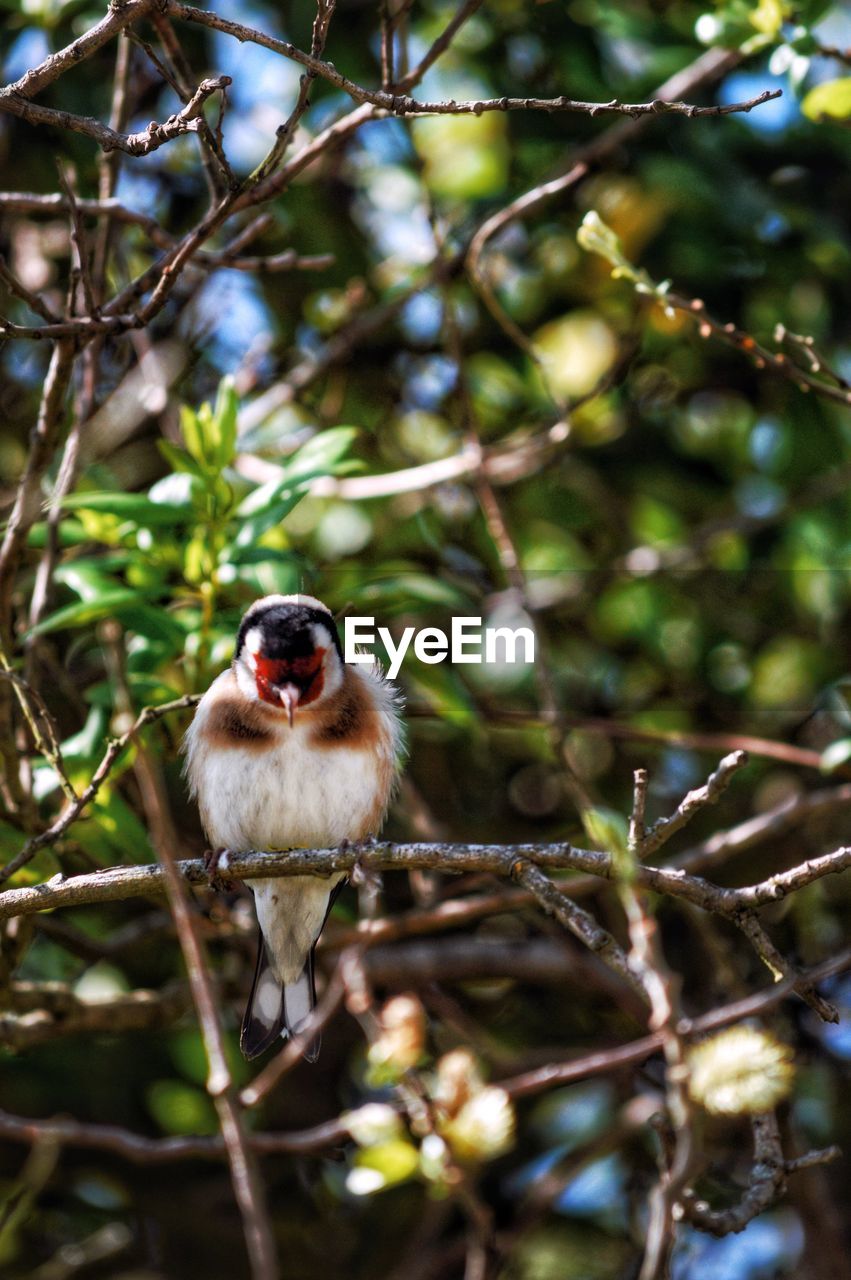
[[248, 1187], [114, 21], [766, 1183], [399, 103], [782, 968], [69, 815], [187, 120], [331, 1133], [714, 787], [663, 992], [33, 301], [79, 241]]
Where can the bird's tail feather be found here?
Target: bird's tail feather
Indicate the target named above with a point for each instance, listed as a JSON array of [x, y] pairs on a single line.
[[277, 1010]]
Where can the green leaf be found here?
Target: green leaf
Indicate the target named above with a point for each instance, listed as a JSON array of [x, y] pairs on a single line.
[[399, 590], [153, 623], [190, 426], [321, 455], [445, 693], [278, 576], [86, 578], [223, 434], [264, 497], [830, 100], [113, 834], [608, 829], [768, 17], [77, 615], [181, 1108], [179, 458], [136, 507], [87, 743], [70, 533], [396, 1161], [264, 519]]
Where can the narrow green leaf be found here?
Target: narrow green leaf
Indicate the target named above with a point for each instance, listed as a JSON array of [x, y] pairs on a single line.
[[136, 507], [225, 419], [256, 525], [608, 829], [86, 578], [190, 426], [178, 458], [321, 454], [85, 611]]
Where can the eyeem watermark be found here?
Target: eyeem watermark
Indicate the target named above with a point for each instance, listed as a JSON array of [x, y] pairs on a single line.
[[468, 641]]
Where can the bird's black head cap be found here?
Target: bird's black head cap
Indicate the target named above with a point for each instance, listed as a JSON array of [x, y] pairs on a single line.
[[286, 629]]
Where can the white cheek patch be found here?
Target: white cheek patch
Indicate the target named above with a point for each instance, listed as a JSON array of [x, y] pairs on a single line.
[[253, 644], [323, 639]]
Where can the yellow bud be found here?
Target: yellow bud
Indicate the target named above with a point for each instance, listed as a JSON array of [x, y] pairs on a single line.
[[374, 1123], [402, 1040], [484, 1127], [458, 1079], [741, 1071]]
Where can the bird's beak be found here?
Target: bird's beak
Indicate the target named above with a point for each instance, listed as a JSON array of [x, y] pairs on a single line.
[[289, 695]]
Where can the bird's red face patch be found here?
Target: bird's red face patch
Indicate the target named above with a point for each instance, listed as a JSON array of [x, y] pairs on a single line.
[[307, 674]]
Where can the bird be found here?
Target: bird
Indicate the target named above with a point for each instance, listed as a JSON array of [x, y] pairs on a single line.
[[291, 747]]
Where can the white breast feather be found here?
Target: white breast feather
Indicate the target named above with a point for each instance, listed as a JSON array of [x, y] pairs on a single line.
[[292, 795]]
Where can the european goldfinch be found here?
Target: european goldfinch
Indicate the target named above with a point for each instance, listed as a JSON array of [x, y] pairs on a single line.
[[292, 747]]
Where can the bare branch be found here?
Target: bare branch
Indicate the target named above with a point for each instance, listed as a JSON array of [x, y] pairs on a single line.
[[663, 992], [118, 17], [43, 1012], [53, 203], [61, 824], [578, 921], [33, 301], [401, 104], [599, 1063], [714, 787], [777, 362], [781, 968], [187, 120], [766, 1182], [706, 69], [768, 748], [142, 1150]]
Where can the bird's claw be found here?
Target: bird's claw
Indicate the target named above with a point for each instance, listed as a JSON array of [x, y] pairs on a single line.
[[216, 864], [359, 874]]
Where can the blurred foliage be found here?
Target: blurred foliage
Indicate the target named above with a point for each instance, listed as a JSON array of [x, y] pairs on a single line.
[[686, 543]]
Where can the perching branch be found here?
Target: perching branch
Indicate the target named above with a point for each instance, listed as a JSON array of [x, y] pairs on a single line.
[[118, 883]]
